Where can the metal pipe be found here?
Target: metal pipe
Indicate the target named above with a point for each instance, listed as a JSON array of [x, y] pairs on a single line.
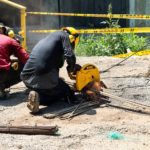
[[122, 99], [13, 4], [23, 18], [23, 27]]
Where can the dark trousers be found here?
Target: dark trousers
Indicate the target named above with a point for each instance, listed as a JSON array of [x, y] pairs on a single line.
[[10, 77], [60, 92]]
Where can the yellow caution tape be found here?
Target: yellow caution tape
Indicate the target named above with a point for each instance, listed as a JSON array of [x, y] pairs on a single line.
[[42, 31], [119, 16], [140, 53], [106, 30], [117, 30]]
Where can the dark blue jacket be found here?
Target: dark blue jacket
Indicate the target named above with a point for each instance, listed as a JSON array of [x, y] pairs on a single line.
[[49, 53]]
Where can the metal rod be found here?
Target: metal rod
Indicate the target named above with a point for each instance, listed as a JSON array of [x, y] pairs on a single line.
[[13, 4], [71, 114], [122, 99]]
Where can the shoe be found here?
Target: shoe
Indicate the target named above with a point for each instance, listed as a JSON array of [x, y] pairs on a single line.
[[33, 102]]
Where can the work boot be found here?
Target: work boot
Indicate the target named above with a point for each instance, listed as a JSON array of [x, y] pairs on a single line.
[[33, 101]]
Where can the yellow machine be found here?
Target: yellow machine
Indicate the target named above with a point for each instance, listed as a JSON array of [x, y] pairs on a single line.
[[85, 75]]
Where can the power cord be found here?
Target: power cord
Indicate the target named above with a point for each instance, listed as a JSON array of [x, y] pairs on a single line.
[[103, 71]]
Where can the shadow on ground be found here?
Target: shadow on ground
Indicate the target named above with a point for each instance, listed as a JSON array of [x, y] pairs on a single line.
[[64, 109], [14, 99]]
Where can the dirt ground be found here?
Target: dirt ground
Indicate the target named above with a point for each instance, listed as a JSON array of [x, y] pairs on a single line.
[[91, 130]]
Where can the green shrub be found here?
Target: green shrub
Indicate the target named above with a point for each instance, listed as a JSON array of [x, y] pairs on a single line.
[[110, 44], [135, 42]]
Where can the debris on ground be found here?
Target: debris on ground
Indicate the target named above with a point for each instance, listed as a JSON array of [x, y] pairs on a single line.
[[88, 130]]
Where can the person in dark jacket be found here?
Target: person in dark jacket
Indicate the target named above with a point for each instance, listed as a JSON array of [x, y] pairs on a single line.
[[10, 70], [41, 72]]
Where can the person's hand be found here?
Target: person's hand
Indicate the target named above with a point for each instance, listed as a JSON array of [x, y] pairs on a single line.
[[15, 65], [72, 76], [77, 68]]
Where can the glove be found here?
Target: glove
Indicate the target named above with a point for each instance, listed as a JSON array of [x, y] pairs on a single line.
[[77, 68], [15, 66], [72, 74]]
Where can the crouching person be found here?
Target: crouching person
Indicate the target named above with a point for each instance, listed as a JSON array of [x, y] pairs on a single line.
[[41, 72], [10, 69]]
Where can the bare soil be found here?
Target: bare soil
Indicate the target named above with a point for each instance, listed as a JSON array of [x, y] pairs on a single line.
[[90, 130]]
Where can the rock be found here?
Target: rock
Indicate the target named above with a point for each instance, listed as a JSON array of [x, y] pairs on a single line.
[[19, 147]]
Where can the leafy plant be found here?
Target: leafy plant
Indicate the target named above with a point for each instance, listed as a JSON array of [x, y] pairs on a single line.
[[110, 44]]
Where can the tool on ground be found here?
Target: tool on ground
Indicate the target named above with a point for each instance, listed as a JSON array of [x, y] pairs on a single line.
[[88, 83], [29, 130], [87, 77], [89, 74]]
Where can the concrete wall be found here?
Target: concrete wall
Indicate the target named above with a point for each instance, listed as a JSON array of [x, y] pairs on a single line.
[[148, 11], [37, 22], [139, 7], [91, 7]]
